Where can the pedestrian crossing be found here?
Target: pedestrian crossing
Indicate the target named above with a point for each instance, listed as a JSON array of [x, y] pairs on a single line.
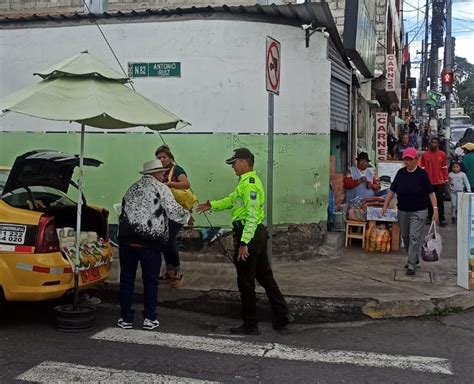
[[276, 350], [64, 372], [58, 372]]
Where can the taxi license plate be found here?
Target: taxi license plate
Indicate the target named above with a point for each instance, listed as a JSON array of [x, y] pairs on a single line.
[[90, 275], [12, 234]]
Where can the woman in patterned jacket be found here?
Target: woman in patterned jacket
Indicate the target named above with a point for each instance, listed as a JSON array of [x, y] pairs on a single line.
[[147, 208]]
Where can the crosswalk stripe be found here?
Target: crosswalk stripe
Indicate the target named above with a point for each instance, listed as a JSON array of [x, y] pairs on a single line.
[[276, 351], [58, 372]]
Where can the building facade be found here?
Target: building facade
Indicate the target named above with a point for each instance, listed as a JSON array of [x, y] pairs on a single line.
[[220, 90], [372, 35]]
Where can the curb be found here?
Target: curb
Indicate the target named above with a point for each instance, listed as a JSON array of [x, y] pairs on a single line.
[[305, 309]]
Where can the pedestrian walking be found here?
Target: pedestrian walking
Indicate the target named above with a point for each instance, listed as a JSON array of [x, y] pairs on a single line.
[[434, 162], [468, 163], [413, 187], [175, 177], [459, 150], [458, 182], [143, 232], [425, 142], [405, 142], [250, 240]]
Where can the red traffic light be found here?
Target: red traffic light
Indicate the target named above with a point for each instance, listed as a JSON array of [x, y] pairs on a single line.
[[447, 77]]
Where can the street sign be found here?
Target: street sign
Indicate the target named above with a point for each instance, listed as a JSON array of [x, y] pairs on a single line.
[[137, 70], [272, 65], [381, 136], [167, 69]]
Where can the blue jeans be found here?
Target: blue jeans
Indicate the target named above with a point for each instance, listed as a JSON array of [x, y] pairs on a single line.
[[171, 250], [150, 262]]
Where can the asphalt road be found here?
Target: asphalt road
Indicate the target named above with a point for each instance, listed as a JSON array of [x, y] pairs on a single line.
[[191, 347]]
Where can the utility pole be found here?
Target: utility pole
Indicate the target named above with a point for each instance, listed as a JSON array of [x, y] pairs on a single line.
[[424, 57], [447, 74], [420, 83]]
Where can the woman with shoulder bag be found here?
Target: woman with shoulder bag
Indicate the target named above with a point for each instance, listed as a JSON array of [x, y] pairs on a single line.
[[414, 190], [176, 179]]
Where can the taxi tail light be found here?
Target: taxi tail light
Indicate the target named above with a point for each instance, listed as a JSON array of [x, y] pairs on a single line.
[[46, 238]]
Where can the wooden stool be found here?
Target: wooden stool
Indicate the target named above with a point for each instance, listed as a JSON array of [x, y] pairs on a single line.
[[355, 230]]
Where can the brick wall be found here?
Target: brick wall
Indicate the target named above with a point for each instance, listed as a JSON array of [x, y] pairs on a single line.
[[29, 7], [381, 30], [337, 8], [337, 182]]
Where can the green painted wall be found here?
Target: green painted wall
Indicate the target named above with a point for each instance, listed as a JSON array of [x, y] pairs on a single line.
[[301, 170]]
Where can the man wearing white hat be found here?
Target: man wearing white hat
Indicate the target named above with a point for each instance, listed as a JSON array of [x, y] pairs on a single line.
[[143, 230]]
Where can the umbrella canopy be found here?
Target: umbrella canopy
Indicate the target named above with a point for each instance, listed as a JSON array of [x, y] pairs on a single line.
[[84, 64], [85, 90]]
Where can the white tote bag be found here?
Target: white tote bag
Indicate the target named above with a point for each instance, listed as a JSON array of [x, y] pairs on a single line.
[[433, 244]]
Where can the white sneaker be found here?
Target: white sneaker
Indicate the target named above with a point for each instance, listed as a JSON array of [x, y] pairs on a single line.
[[150, 324], [123, 324]]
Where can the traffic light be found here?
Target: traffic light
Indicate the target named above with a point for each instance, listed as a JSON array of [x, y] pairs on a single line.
[[447, 79]]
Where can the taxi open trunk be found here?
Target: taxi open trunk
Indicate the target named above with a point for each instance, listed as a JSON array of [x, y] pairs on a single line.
[[36, 218]]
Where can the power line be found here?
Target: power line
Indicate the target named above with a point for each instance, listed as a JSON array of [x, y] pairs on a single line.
[[108, 44]]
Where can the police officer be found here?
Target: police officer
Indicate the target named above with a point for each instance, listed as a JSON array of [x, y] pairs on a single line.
[[250, 239]]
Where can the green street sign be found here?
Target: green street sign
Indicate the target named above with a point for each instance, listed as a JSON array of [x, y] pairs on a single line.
[[170, 69], [137, 69], [164, 69]]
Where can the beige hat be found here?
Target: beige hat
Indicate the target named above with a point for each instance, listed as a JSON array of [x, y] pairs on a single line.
[[468, 146], [152, 167]]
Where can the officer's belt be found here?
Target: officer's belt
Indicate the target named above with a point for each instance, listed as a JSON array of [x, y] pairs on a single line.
[[238, 225]]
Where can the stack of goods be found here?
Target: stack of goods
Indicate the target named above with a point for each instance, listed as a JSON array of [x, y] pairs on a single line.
[[358, 207], [378, 238], [94, 251], [67, 237]]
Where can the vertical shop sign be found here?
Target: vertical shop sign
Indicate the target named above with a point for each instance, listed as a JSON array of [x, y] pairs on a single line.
[[390, 68], [381, 135]]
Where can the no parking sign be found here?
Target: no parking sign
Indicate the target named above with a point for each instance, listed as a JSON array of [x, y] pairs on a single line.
[[272, 65]]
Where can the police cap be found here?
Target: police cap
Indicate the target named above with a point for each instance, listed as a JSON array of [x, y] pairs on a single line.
[[240, 153]]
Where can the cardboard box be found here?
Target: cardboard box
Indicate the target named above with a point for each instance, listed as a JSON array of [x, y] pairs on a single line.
[[375, 213]]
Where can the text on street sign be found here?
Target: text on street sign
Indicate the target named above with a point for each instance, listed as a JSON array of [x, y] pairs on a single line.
[[167, 69]]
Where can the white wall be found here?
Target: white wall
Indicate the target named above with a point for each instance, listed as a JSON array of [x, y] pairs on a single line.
[[222, 88]]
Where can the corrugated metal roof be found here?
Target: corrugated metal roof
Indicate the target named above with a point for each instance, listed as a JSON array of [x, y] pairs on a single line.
[[291, 14]]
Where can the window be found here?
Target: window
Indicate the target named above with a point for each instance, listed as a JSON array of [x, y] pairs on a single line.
[[36, 198]]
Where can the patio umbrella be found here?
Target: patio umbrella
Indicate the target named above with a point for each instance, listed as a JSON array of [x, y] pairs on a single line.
[[85, 90]]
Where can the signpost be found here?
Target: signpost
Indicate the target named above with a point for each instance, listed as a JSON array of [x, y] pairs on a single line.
[[168, 69], [272, 78]]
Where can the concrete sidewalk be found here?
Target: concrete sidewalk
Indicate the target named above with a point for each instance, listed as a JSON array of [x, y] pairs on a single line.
[[344, 285]]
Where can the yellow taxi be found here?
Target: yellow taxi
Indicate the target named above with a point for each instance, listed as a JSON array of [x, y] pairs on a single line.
[[35, 212]]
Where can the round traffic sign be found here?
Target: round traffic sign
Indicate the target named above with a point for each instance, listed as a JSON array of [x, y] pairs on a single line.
[[273, 66]]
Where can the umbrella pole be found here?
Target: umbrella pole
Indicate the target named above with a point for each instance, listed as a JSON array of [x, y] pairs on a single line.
[[78, 220]]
